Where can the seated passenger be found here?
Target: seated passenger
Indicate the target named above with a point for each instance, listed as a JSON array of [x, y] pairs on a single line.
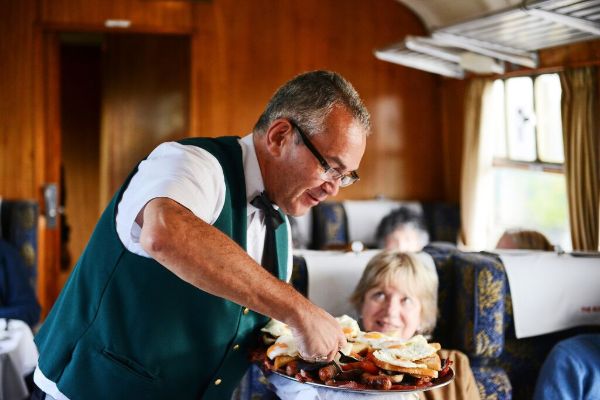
[[571, 370], [524, 239], [403, 230], [17, 298], [398, 293]]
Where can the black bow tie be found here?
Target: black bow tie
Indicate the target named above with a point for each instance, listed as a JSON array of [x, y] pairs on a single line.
[[272, 216]]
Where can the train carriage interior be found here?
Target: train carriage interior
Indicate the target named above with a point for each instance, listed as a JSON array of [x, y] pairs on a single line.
[[484, 134]]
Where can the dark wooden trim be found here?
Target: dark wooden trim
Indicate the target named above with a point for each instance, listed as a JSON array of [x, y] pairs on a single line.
[[529, 165]]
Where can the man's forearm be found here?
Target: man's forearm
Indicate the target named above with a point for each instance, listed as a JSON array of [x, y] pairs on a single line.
[[203, 256]]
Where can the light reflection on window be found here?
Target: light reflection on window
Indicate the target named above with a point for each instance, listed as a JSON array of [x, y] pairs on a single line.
[[520, 119], [549, 126]]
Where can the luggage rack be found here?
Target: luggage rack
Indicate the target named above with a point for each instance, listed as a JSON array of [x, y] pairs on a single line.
[[484, 44]]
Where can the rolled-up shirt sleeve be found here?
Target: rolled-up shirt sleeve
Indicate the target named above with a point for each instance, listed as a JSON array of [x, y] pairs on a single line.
[[187, 174]]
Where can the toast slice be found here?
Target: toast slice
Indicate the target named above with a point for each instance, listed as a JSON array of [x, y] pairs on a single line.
[[433, 362], [418, 372]]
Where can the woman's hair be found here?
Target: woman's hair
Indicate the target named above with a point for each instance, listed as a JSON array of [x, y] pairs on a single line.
[[308, 99], [524, 239], [389, 267]]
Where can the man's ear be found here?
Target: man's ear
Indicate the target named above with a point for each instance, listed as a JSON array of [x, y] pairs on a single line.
[[278, 135]]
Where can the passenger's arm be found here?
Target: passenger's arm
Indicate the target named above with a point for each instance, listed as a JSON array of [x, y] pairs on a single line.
[[18, 300], [203, 256]]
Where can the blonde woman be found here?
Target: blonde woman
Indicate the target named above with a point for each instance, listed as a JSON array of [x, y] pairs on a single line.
[[398, 293]]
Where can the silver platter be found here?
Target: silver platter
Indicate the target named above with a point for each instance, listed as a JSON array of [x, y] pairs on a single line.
[[437, 383]]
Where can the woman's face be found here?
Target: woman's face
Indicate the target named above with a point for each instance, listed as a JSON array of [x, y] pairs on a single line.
[[391, 308]]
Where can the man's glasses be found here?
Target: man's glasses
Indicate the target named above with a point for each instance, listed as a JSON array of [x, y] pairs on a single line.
[[329, 173]]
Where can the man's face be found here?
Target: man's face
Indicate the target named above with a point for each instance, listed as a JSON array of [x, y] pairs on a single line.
[[296, 182]]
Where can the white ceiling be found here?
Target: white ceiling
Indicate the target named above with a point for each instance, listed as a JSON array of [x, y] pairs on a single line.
[[439, 13]]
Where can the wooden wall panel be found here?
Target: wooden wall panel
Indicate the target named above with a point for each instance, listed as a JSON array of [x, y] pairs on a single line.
[[145, 101], [244, 50], [145, 15], [81, 84], [17, 52], [572, 55], [452, 95]]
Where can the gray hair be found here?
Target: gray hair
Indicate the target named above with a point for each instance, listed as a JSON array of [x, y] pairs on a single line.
[[309, 98], [401, 217]]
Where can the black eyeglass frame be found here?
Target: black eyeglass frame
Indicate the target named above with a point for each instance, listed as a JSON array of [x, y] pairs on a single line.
[[346, 179]]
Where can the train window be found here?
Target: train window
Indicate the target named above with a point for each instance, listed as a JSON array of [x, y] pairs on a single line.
[[528, 179], [549, 124]]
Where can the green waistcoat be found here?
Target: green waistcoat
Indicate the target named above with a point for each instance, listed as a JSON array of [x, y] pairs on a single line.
[[125, 327]]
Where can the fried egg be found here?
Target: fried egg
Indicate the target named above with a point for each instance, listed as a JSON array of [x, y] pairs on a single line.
[[349, 326], [283, 346], [376, 340], [403, 354], [388, 356], [276, 329]]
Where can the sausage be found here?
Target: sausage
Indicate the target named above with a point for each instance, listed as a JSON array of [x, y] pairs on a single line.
[[268, 365], [364, 365], [291, 369], [446, 367], [304, 376], [328, 372], [379, 382]]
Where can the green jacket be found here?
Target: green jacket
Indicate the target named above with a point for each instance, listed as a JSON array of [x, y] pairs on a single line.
[[125, 327]]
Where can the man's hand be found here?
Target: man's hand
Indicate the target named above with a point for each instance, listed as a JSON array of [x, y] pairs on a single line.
[[319, 335]]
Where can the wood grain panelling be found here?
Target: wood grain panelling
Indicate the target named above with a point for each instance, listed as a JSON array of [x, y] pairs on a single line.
[[80, 83], [452, 96], [144, 15], [244, 50], [145, 101], [48, 157], [571, 55], [17, 55]]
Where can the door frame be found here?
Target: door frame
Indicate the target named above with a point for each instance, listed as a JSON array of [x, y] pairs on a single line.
[[48, 153]]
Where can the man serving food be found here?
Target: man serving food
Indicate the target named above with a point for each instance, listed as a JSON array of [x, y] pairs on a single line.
[[169, 293]]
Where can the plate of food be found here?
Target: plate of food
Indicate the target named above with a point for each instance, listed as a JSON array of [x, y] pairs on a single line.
[[356, 386], [374, 362]]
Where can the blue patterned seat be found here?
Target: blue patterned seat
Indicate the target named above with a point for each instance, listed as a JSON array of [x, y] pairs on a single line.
[[330, 224], [523, 358], [471, 299], [476, 317]]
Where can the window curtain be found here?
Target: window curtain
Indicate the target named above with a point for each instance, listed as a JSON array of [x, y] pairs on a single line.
[[476, 173], [582, 154]]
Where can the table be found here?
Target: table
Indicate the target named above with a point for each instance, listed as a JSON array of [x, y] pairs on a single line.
[[18, 358]]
